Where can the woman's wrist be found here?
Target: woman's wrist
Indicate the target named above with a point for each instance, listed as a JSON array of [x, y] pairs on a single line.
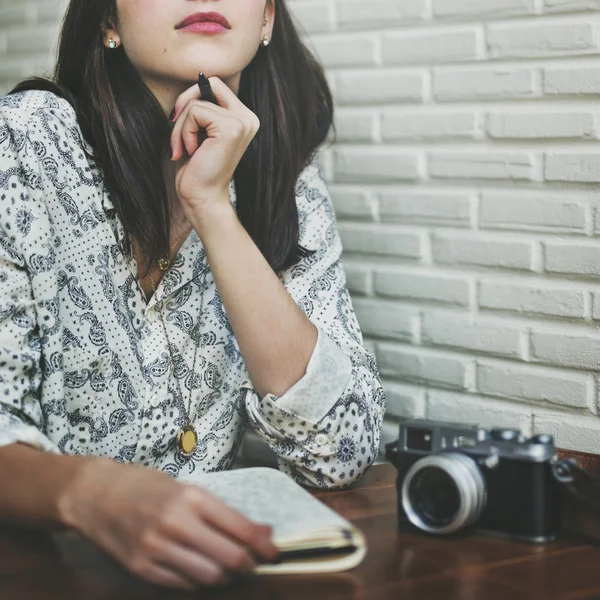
[[212, 218], [85, 479]]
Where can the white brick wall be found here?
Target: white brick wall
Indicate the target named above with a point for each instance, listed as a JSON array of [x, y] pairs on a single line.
[[466, 179]]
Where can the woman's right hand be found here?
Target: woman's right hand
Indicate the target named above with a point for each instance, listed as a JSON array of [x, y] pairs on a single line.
[[165, 532]]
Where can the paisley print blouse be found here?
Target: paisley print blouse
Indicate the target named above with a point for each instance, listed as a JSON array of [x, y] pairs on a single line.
[[85, 368]]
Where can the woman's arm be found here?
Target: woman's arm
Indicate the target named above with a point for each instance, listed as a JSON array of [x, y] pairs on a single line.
[[33, 484], [315, 395], [275, 337]]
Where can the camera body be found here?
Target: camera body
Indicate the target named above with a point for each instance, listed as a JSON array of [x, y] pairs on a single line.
[[454, 476]]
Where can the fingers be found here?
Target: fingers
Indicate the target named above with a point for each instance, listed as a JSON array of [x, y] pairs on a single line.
[[185, 133], [223, 550], [192, 564], [217, 121], [164, 576], [257, 537], [224, 95], [189, 104]]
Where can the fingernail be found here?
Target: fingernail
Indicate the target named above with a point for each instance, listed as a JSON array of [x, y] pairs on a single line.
[[172, 115]]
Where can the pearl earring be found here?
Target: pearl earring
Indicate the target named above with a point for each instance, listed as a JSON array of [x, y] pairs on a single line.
[[265, 41], [112, 44]]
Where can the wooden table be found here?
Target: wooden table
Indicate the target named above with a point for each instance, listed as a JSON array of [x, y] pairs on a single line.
[[401, 564]]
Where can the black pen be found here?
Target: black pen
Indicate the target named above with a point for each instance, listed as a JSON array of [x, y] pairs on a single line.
[[206, 92]]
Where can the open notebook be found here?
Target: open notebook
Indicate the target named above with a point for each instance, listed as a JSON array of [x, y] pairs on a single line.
[[312, 538]]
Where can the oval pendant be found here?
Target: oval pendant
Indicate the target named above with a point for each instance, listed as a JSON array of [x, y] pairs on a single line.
[[187, 440], [163, 264]]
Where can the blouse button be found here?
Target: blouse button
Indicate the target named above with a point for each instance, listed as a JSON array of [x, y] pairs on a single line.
[[321, 439]]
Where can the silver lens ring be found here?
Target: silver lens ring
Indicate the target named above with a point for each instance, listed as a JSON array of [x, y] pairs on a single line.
[[469, 483]]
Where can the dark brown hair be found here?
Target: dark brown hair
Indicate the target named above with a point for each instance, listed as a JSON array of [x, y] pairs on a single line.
[[121, 119]]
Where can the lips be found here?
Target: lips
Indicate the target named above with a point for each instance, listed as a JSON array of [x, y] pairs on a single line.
[[204, 17]]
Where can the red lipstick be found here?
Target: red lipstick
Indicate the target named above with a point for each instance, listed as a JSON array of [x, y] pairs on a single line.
[[208, 22]]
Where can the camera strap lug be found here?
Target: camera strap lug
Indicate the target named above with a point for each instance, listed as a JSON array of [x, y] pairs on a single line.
[[577, 481]]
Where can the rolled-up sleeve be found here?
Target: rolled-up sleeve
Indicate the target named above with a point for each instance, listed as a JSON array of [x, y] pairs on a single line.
[[21, 417], [326, 428]]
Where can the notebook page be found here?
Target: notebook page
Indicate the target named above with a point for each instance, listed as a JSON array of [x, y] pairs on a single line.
[[269, 496]]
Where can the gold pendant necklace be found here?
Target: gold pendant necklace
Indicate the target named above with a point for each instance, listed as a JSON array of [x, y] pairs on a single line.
[[164, 262], [186, 440]]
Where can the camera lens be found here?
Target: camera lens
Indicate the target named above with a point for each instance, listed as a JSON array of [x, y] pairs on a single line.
[[443, 492], [435, 497]]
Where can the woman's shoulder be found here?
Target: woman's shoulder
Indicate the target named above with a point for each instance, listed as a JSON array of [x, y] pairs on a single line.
[[30, 109]]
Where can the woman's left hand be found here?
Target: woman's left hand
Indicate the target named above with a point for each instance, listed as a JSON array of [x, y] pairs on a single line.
[[203, 179]]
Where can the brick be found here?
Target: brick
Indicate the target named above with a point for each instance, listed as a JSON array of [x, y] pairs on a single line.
[[426, 208], [483, 8], [383, 320], [475, 410], [375, 239], [412, 285], [426, 47], [399, 126], [414, 365], [14, 68], [404, 401], [579, 168], [377, 165], [527, 40], [356, 14], [355, 127], [531, 212], [535, 384], [571, 5], [28, 41], [474, 336], [358, 278], [566, 350], [527, 125], [380, 87], [530, 299], [313, 16], [453, 249], [480, 165], [345, 51], [572, 80], [17, 15], [3, 42], [596, 306], [50, 12], [353, 203], [484, 84], [571, 432], [572, 258]]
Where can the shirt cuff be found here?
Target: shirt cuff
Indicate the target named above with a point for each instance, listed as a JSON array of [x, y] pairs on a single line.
[[327, 377]]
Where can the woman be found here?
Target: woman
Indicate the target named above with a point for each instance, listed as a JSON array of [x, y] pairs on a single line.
[[170, 272]]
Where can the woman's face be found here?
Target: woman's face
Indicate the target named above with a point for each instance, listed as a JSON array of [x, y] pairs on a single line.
[[169, 57]]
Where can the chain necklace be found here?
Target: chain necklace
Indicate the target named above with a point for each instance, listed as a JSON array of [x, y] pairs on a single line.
[[164, 262], [186, 440]]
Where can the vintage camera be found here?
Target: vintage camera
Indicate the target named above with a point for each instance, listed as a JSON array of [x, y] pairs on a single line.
[[454, 476]]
